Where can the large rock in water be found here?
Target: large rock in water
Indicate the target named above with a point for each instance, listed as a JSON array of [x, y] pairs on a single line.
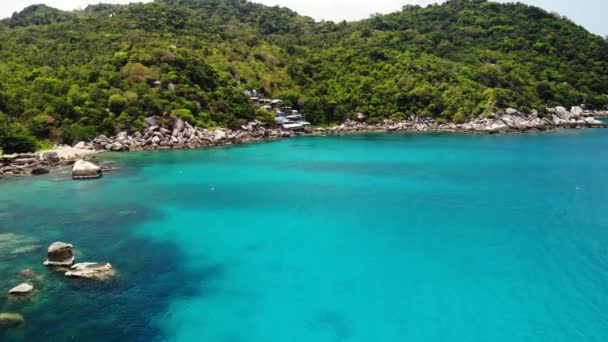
[[60, 254], [92, 270], [85, 170], [21, 289], [40, 170], [8, 319]]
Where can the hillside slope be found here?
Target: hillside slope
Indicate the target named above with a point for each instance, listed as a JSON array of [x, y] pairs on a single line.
[[66, 76]]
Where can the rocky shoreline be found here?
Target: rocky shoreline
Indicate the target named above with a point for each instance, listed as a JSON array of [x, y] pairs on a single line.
[[174, 133]]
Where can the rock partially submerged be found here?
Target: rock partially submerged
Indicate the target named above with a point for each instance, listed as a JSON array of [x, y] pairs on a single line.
[[27, 273], [60, 254], [85, 170], [9, 319], [92, 270], [21, 289]]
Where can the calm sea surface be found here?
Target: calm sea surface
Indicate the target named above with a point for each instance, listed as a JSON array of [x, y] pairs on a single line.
[[414, 237]]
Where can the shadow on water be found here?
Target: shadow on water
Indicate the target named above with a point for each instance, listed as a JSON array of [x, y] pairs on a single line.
[[150, 274]]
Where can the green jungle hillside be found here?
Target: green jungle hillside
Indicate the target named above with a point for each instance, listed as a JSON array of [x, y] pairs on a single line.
[[67, 76]]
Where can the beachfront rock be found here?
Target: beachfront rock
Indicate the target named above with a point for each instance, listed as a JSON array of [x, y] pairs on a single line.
[[219, 135], [533, 114], [80, 145], [92, 270], [50, 156], [512, 111], [40, 170], [557, 120], [117, 147], [576, 112], [360, 116], [151, 121], [21, 160], [85, 170], [497, 127], [593, 121], [562, 113], [60, 254], [21, 289], [178, 124], [9, 319]]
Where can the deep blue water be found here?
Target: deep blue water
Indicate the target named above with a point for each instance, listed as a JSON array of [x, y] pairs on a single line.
[[413, 237]]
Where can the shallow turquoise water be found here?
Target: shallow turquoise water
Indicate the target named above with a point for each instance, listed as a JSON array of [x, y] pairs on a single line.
[[419, 237]]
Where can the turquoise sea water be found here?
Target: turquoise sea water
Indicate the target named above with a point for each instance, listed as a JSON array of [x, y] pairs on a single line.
[[414, 237]]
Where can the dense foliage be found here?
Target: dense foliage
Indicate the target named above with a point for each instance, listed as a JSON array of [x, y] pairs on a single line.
[[67, 76]]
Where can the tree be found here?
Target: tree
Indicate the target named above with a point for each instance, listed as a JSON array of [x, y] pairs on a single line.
[[117, 103]]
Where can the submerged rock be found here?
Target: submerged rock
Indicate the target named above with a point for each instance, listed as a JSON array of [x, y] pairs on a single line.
[[9, 319], [60, 254], [85, 170], [21, 289], [27, 273], [40, 170], [92, 270], [26, 249]]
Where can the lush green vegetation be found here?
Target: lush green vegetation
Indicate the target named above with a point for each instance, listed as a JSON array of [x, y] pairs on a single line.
[[67, 76]]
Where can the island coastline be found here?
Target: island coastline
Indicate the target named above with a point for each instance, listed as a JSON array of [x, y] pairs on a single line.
[[181, 135]]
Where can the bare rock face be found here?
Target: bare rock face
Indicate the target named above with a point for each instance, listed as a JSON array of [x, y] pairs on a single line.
[[219, 135], [562, 113], [151, 121], [512, 111], [8, 319], [85, 170], [80, 145], [21, 289], [60, 254], [576, 112], [92, 270], [178, 124]]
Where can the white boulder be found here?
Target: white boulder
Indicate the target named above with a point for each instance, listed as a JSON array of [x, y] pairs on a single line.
[[85, 170], [21, 289], [92, 270]]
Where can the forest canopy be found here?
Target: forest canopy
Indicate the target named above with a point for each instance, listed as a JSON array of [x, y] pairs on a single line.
[[68, 76]]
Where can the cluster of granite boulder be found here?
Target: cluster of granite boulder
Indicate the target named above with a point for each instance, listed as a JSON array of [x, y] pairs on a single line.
[[29, 164], [171, 132], [60, 256], [511, 121], [174, 133]]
